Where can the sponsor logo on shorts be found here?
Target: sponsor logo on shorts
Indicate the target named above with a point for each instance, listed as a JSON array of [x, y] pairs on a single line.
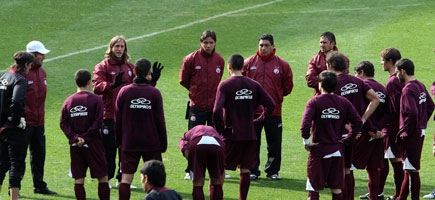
[[140, 103]]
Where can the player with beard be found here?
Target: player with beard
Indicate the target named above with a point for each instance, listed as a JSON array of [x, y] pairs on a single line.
[[416, 108]]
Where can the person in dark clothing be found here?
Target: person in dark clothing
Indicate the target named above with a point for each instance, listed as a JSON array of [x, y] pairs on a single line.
[[153, 178], [13, 144]]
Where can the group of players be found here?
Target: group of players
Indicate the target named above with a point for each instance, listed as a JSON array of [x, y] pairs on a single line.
[[357, 123], [354, 121]]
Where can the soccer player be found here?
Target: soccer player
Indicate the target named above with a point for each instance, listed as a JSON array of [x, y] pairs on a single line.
[[393, 148], [357, 92], [110, 75], [325, 118], [416, 108], [140, 125], [275, 76], [369, 147], [81, 119], [200, 73], [317, 63], [234, 117], [204, 149]]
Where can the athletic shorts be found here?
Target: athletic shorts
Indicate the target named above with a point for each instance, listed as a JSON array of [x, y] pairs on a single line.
[[393, 147], [368, 152], [324, 171], [206, 153], [412, 152], [91, 156], [240, 154], [130, 160]]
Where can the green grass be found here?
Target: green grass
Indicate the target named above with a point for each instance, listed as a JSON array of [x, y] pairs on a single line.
[[168, 30]]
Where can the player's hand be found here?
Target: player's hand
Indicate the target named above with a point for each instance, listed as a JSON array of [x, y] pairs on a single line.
[[432, 89], [157, 69], [186, 153], [347, 127], [80, 142], [358, 136], [118, 80], [309, 146], [403, 136]]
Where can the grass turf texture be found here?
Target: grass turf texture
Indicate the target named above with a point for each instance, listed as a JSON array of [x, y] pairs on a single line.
[[77, 33]]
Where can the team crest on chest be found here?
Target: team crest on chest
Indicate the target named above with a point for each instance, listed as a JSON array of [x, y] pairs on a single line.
[[218, 70], [276, 70]]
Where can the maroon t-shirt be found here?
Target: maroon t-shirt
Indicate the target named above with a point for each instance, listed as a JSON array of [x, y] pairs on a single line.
[[139, 119], [394, 91], [236, 101], [326, 116], [377, 121]]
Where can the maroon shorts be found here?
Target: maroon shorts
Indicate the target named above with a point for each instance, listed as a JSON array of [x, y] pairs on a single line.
[[412, 150], [394, 144], [92, 156], [322, 171], [206, 156], [130, 160], [368, 153], [240, 154]]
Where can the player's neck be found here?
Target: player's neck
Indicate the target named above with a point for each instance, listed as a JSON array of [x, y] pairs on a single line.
[[236, 73]]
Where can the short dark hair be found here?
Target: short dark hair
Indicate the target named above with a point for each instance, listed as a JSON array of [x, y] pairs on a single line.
[[392, 54], [206, 34], [155, 172], [329, 35], [329, 80], [237, 61], [367, 67], [337, 60], [405, 64], [82, 77], [267, 36], [142, 67]]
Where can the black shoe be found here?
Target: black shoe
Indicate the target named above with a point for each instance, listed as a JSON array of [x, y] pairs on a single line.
[[44, 191], [366, 196]]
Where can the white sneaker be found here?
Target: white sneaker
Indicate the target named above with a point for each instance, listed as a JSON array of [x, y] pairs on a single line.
[[227, 175], [429, 196], [187, 177]]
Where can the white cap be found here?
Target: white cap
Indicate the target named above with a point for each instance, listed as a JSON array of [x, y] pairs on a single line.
[[36, 46]]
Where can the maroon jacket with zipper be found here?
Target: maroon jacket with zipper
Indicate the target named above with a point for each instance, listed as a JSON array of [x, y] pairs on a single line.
[[35, 96], [201, 74]]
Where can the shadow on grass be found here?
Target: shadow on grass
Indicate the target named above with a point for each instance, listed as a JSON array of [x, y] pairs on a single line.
[[45, 197]]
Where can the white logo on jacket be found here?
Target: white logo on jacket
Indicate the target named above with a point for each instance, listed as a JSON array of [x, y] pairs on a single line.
[[78, 111], [243, 94], [422, 98], [140, 103], [330, 113]]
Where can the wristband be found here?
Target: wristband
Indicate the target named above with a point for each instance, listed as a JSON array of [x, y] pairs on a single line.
[[306, 142]]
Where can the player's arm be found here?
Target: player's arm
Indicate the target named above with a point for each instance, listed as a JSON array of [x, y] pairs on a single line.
[[374, 103]]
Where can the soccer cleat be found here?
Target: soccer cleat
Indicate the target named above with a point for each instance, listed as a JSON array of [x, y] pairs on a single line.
[[391, 198], [274, 177], [365, 196], [253, 177], [429, 196]]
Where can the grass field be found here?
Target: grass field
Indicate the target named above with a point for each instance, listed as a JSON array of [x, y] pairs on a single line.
[[77, 33]]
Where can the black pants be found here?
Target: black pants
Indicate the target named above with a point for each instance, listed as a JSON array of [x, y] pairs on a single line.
[[36, 140], [108, 137], [13, 149], [273, 130], [197, 117]]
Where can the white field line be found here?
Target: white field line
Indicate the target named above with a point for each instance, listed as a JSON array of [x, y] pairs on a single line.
[[166, 30]]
